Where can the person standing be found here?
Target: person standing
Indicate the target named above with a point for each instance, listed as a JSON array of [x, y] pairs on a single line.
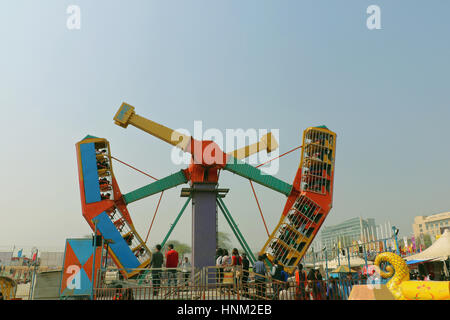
[[276, 278], [186, 268], [319, 284], [333, 290], [219, 273], [301, 282], [236, 262], [156, 263], [283, 291], [226, 265], [348, 284], [218, 253], [260, 281], [312, 285], [226, 260], [245, 267], [172, 264]]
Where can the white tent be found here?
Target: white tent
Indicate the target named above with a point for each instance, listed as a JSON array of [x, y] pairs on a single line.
[[438, 251], [354, 262]]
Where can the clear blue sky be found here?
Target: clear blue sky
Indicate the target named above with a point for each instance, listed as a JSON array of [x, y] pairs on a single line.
[[232, 64]]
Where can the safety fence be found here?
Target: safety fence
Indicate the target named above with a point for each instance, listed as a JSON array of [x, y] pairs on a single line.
[[18, 274], [213, 283], [8, 288]]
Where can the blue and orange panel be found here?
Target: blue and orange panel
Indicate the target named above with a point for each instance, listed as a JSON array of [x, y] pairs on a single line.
[[102, 202], [77, 279]]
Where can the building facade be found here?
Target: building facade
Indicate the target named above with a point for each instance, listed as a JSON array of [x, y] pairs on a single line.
[[5, 258], [52, 259], [432, 225], [346, 232]]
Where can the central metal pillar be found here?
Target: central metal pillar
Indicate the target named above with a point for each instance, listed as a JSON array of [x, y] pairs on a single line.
[[204, 226]]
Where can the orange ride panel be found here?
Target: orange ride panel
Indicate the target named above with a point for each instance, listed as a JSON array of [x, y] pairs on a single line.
[[310, 200]]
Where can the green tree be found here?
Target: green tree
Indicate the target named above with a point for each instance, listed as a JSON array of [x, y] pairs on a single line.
[[427, 240], [223, 240]]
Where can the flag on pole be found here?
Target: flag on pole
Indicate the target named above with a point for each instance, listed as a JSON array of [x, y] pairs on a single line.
[[413, 243], [386, 229]]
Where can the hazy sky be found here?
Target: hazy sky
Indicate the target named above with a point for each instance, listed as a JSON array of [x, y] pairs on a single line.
[[284, 65]]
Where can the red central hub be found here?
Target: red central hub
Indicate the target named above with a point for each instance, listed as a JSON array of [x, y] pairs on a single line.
[[207, 160]]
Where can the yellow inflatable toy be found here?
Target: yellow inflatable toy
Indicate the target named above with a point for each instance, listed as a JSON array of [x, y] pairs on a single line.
[[404, 289]]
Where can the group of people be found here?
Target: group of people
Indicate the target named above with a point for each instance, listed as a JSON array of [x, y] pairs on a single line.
[[102, 164], [104, 183], [171, 263], [299, 220], [233, 274], [317, 171], [238, 266], [102, 161], [308, 285], [280, 280], [105, 196], [236, 263], [415, 275]]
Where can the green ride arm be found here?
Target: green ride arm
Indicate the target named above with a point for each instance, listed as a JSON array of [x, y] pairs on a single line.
[[155, 187], [247, 171]]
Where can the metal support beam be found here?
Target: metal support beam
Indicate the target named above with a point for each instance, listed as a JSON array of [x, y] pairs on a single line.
[[348, 258], [175, 222], [235, 229], [235, 232], [93, 258]]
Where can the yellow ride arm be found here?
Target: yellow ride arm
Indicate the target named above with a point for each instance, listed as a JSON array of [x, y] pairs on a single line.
[[126, 115], [267, 142]]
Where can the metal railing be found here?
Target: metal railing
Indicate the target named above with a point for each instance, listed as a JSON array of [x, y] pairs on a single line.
[[213, 283]]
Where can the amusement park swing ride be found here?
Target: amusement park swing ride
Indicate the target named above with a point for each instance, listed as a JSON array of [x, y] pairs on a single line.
[[309, 197]]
